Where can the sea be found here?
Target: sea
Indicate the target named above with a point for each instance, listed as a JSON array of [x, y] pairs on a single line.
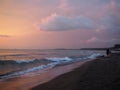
[[18, 62]]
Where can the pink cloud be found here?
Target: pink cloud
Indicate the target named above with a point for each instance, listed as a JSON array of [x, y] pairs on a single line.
[[95, 39], [60, 23]]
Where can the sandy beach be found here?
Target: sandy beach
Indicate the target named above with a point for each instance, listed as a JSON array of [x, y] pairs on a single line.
[[36, 78], [102, 73], [59, 44]]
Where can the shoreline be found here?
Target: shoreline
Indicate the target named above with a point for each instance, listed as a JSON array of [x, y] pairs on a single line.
[[99, 74], [56, 72], [20, 83]]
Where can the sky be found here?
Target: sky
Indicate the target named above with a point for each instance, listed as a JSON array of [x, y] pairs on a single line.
[[49, 24]]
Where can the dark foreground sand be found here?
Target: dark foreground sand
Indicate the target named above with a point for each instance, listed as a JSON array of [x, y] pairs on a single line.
[[102, 73]]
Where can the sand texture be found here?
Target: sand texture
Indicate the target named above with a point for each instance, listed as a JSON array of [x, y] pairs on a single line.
[[102, 73]]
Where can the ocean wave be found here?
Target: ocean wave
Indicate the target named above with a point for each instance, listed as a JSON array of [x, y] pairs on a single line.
[[41, 67], [51, 62], [3, 62], [93, 56], [64, 59], [54, 59], [24, 61]]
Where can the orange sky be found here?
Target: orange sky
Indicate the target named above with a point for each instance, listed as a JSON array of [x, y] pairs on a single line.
[[66, 24]]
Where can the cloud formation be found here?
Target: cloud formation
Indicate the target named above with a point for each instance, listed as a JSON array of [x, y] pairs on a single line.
[[95, 21], [83, 14], [4, 36], [111, 19], [58, 22], [96, 39]]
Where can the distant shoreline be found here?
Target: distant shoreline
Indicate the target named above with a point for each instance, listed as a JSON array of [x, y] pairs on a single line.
[[115, 47]]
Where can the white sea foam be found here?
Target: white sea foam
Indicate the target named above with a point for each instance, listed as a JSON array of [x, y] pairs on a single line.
[[64, 59], [93, 56], [50, 62], [24, 61], [57, 61], [41, 67]]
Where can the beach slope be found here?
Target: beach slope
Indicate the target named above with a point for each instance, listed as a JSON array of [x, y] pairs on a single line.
[[102, 73]]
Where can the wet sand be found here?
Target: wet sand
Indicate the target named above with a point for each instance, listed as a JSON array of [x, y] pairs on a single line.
[[102, 73], [30, 80]]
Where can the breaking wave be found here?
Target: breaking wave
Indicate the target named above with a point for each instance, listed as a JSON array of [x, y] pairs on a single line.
[[41, 67], [51, 62], [65, 59], [5, 62]]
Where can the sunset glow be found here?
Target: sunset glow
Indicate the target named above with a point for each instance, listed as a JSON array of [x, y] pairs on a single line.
[[48, 24]]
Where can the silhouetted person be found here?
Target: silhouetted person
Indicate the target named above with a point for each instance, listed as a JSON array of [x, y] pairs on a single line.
[[108, 52]]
